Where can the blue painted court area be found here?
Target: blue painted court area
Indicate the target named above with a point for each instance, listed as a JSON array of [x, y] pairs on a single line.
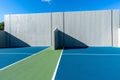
[[11, 55], [93, 63]]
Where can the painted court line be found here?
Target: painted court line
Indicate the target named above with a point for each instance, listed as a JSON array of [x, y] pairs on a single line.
[[23, 59], [92, 54], [15, 53], [55, 72]]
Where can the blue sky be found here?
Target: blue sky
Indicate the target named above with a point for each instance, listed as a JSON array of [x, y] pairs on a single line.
[[38, 6]]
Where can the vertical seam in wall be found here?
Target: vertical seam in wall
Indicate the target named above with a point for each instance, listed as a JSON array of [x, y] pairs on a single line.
[[9, 40], [63, 30], [117, 30], [112, 27], [119, 19], [51, 30]]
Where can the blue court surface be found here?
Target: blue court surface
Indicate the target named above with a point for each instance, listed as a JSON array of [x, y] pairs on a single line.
[[92, 63], [11, 55]]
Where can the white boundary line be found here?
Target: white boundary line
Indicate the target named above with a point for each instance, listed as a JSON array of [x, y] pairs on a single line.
[[16, 53], [53, 78], [23, 59], [75, 54]]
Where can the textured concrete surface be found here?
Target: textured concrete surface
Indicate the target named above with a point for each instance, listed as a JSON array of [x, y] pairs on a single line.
[[31, 29], [80, 28]]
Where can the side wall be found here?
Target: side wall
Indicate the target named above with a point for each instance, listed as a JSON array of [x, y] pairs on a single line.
[[92, 28], [88, 28], [29, 29], [76, 29], [116, 27], [58, 28], [2, 39]]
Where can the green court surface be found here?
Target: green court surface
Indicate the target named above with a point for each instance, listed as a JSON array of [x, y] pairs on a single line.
[[40, 66]]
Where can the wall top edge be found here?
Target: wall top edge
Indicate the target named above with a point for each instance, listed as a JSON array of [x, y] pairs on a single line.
[[60, 12]]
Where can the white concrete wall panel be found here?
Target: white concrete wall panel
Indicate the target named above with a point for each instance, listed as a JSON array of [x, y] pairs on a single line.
[[92, 28], [57, 23], [116, 27], [7, 22], [32, 29]]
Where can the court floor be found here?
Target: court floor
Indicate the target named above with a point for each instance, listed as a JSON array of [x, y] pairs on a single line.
[[92, 63], [39, 66], [9, 56]]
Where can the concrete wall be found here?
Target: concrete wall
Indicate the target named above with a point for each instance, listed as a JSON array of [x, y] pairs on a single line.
[[58, 25], [7, 29], [29, 29], [76, 29], [92, 28], [115, 27], [2, 39]]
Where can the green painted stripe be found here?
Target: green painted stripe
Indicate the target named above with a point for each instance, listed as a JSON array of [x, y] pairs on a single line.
[[37, 67]]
